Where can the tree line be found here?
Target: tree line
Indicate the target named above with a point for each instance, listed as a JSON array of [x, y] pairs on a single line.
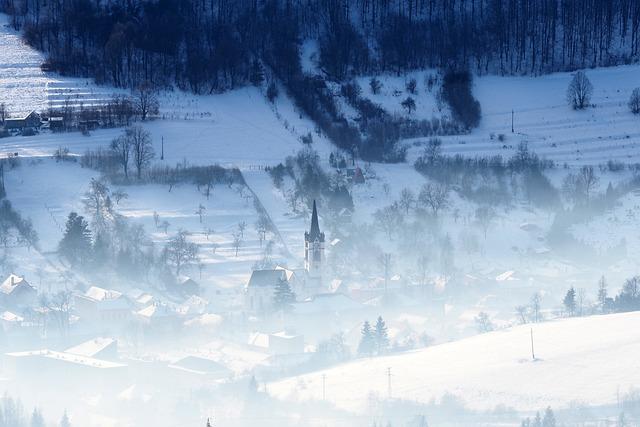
[[214, 45]]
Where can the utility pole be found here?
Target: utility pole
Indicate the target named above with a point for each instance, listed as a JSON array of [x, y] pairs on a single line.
[[324, 388], [512, 113], [389, 382], [533, 354], [386, 261], [162, 150]]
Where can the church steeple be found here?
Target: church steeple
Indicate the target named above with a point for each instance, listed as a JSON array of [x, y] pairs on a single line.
[[314, 247], [314, 232]]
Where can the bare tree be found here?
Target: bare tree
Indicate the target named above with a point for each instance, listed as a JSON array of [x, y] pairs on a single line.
[[262, 226], [409, 104], [142, 147], [145, 100], [579, 91], [634, 101], [484, 216], [120, 195], [588, 179], [536, 303], [407, 199], [121, 147], [180, 252], [164, 225], [200, 212], [434, 196], [237, 241], [242, 225], [522, 312]]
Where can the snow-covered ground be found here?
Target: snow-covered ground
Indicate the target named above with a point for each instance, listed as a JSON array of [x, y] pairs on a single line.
[[493, 369], [543, 119]]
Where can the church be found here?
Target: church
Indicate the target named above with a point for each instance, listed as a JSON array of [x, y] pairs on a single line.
[[305, 282]]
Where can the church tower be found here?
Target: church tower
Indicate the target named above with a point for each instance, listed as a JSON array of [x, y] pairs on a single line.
[[314, 248]]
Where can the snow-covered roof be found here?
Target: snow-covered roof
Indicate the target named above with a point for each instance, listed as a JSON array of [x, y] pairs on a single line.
[[68, 357], [99, 294], [326, 303], [92, 347], [8, 316], [12, 283], [156, 311], [200, 365], [265, 278], [258, 339]]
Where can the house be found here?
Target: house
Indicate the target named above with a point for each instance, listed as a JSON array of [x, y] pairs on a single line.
[[56, 123], [202, 366], [260, 289], [97, 348], [103, 306], [31, 120], [187, 286], [15, 291], [285, 343]]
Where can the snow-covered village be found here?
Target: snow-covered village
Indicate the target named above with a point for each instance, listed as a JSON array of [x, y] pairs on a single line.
[[331, 213]]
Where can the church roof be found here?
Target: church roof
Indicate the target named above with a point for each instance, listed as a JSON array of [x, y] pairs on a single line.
[[262, 278]]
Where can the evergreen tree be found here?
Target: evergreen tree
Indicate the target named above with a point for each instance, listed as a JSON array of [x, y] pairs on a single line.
[[367, 340], [569, 301], [381, 336], [209, 423], [75, 245], [36, 418], [537, 421], [64, 422], [602, 294], [283, 297], [549, 419]]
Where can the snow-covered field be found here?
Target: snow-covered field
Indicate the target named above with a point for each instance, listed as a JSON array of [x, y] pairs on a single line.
[[493, 369], [542, 118]]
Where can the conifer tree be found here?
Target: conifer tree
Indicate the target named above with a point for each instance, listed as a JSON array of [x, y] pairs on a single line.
[[602, 294], [569, 301], [367, 340], [75, 245], [64, 422], [36, 418], [381, 336], [283, 297], [549, 419]]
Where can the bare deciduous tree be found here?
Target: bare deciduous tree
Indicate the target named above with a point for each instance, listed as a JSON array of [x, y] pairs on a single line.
[[180, 252], [434, 196], [141, 146], [634, 101], [145, 100], [579, 91]]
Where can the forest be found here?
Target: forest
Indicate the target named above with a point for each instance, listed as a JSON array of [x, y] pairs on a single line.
[[209, 46]]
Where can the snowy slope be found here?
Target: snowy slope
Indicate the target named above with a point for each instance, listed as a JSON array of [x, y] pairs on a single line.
[[542, 118], [587, 359]]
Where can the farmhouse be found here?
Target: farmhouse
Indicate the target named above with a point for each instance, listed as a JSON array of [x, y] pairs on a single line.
[[15, 291], [31, 120]]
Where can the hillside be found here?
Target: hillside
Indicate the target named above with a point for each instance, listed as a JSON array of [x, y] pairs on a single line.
[[589, 359]]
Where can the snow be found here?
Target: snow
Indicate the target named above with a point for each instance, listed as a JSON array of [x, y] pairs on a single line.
[[493, 369], [542, 118]]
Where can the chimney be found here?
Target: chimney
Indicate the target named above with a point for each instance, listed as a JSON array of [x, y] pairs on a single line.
[[13, 280]]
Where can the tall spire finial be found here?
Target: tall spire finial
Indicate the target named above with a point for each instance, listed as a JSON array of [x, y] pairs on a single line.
[[314, 233]]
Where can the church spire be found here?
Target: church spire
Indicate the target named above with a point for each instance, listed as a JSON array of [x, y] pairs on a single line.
[[314, 233]]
